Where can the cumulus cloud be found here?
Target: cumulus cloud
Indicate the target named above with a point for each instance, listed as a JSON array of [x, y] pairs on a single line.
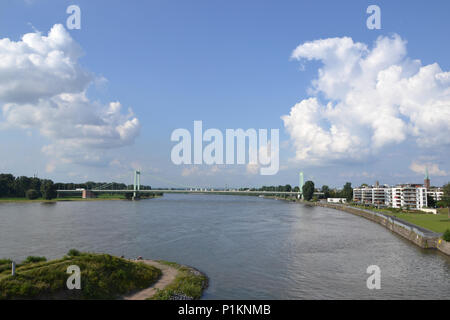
[[196, 170], [433, 169], [365, 99], [264, 156], [43, 86]]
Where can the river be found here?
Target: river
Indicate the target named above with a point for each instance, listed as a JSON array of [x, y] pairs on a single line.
[[250, 247]]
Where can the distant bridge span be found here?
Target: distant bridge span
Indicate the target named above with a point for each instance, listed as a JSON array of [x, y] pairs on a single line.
[[137, 190], [184, 191]]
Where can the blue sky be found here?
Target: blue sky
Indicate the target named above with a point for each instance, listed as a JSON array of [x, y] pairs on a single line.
[[228, 64]]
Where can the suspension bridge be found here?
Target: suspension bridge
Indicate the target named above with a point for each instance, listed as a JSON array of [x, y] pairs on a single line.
[[136, 190]]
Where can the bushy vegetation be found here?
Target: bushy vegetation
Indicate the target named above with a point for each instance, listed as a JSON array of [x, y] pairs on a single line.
[[188, 282], [21, 187], [34, 259], [73, 253], [446, 235], [286, 188], [5, 261], [308, 190], [102, 277], [32, 194], [18, 187]]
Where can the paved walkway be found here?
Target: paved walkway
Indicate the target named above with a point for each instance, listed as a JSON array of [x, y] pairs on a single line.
[[168, 275]]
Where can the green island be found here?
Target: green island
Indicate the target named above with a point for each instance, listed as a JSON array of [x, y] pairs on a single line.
[[102, 277]]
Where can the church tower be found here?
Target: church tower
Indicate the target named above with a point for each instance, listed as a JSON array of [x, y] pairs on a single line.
[[426, 183]]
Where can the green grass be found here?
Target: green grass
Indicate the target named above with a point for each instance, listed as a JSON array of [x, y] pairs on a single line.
[[434, 222], [102, 277], [188, 282]]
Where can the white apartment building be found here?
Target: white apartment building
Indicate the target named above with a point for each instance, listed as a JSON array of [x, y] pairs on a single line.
[[409, 197], [403, 196], [437, 194], [370, 195]]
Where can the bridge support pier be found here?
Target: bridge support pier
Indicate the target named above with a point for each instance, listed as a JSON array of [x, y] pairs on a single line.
[[87, 194], [136, 196]]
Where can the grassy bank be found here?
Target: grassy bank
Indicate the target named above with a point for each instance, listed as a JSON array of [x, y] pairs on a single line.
[[189, 283], [102, 277], [435, 222]]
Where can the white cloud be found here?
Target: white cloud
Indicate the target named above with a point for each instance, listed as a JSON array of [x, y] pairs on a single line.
[[43, 86], [252, 168], [189, 171], [264, 156], [433, 169], [365, 99], [202, 171]]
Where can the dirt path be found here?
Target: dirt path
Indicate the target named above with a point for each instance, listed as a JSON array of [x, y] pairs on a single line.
[[168, 275]]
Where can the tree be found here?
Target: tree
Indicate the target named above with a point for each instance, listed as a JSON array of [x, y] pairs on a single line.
[[35, 183], [6, 185], [48, 189], [446, 197], [288, 188], [347, 192], [326, 192], [431, 203], [21, 185], [308, 190], [32, 194]]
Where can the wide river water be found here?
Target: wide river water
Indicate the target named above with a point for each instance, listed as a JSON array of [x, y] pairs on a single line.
[[251, 248]]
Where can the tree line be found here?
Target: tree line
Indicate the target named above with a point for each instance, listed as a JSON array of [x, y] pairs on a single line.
[[20, 187], [309, 189], [33, 187]]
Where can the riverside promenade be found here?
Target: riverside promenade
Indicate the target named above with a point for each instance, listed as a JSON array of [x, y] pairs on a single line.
[[422, 237]]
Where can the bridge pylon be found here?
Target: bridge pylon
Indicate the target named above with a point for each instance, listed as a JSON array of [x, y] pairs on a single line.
[[136, 184], [300, 184]]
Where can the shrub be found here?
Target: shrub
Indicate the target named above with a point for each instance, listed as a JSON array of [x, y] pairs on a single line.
[[129, 195], [446, 235], [34, 259], [5, 261], [32, 194], [73, 253]]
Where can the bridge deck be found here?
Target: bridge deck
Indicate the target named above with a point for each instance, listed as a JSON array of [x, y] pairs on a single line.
[[184, 191]]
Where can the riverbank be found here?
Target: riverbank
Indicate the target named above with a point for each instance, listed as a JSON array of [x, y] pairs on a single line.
[[102, 277], [102, 198], [189, 284], [178, 282], [420, 236]]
